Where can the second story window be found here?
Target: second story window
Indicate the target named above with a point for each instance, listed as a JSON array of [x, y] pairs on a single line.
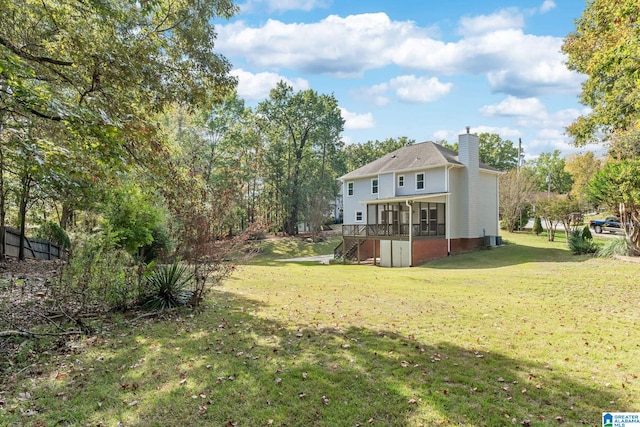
[[419, 181], [400, 180], [349, 188], [374, 186]]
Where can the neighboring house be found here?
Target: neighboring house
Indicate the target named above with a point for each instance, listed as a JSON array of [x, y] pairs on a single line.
[[420, 202]]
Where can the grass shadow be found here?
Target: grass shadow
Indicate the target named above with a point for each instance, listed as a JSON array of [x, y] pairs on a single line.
[[229, 365]]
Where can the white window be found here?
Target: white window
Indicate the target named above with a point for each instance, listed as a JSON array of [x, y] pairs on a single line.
[[419, 181], [400, 180], [359, 217], [349, 188], [374, 186]]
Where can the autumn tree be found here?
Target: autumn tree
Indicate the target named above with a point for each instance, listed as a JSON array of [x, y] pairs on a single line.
[[99, 72], [605, 47], [582, 168], [516, 192], [617, 186], [301, 130]]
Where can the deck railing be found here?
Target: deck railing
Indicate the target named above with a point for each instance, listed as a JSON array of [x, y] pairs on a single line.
[[391, 230]]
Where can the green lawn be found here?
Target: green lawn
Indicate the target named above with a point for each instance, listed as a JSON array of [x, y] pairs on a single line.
[[525, 332]]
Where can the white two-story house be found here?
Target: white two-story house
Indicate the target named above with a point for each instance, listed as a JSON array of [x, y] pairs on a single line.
[[420, 202]]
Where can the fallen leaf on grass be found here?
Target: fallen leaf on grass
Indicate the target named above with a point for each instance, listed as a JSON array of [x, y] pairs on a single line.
[[325, 400], [412, 401]]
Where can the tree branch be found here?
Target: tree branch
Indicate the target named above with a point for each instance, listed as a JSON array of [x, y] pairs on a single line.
[[26, 55]]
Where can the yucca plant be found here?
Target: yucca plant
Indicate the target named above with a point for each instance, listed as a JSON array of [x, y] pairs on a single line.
[[581, 243], [168, 287], [613, 248]]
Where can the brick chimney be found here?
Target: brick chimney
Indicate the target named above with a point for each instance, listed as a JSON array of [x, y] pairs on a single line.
[[469, 156]]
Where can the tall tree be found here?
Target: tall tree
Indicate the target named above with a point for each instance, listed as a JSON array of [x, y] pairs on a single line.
[[605, 47], [550, 173], [101, 71], [298, 125], [516, 193], [582, 168], [497, 152], [617, 186], [493, 151], [358, 155]]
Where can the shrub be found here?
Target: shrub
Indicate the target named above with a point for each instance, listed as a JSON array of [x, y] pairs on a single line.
[[537, 225], [614, 247], [579, 243], [52, 232], [167, 287], [161, 245], [98, 274], [586, 232]]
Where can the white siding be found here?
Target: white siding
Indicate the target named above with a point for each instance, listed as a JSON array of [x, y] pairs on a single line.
[[434, 182], [488, 205], [469, 156], [386, 186], [457, 216]]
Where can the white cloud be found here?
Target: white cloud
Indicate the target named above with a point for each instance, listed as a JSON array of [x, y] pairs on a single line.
[[258, 86], [504, 132], [547, 5], [375, 95], [502, 20], [515, 63], [419, 89], [512, 106], [355, 121], [335, 45], [407, 88]]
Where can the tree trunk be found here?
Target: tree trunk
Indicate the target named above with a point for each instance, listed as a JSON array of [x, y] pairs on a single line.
[[2, 210], [65, 217]]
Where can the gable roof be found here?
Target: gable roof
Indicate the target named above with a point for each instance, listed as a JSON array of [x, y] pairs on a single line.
[[424, 155]]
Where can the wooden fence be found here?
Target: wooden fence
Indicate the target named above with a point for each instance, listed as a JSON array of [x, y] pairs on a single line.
[[33, 248]]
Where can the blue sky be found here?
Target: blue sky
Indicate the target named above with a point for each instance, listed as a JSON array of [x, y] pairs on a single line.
[[417, 68]]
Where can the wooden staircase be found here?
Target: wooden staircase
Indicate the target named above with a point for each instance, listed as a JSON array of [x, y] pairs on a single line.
[[348, 252]]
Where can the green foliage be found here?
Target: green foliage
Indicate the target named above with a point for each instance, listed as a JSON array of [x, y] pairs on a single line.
[[550, 173], [613, 248], [497, 152], [167, 287], [537, 225], [52, 232], [617, 186], [303, 129], [605, 47], [579, 243], [131, 216], [586, 232], [161, 245], [582, 168], [99, 275], [358, 155]]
